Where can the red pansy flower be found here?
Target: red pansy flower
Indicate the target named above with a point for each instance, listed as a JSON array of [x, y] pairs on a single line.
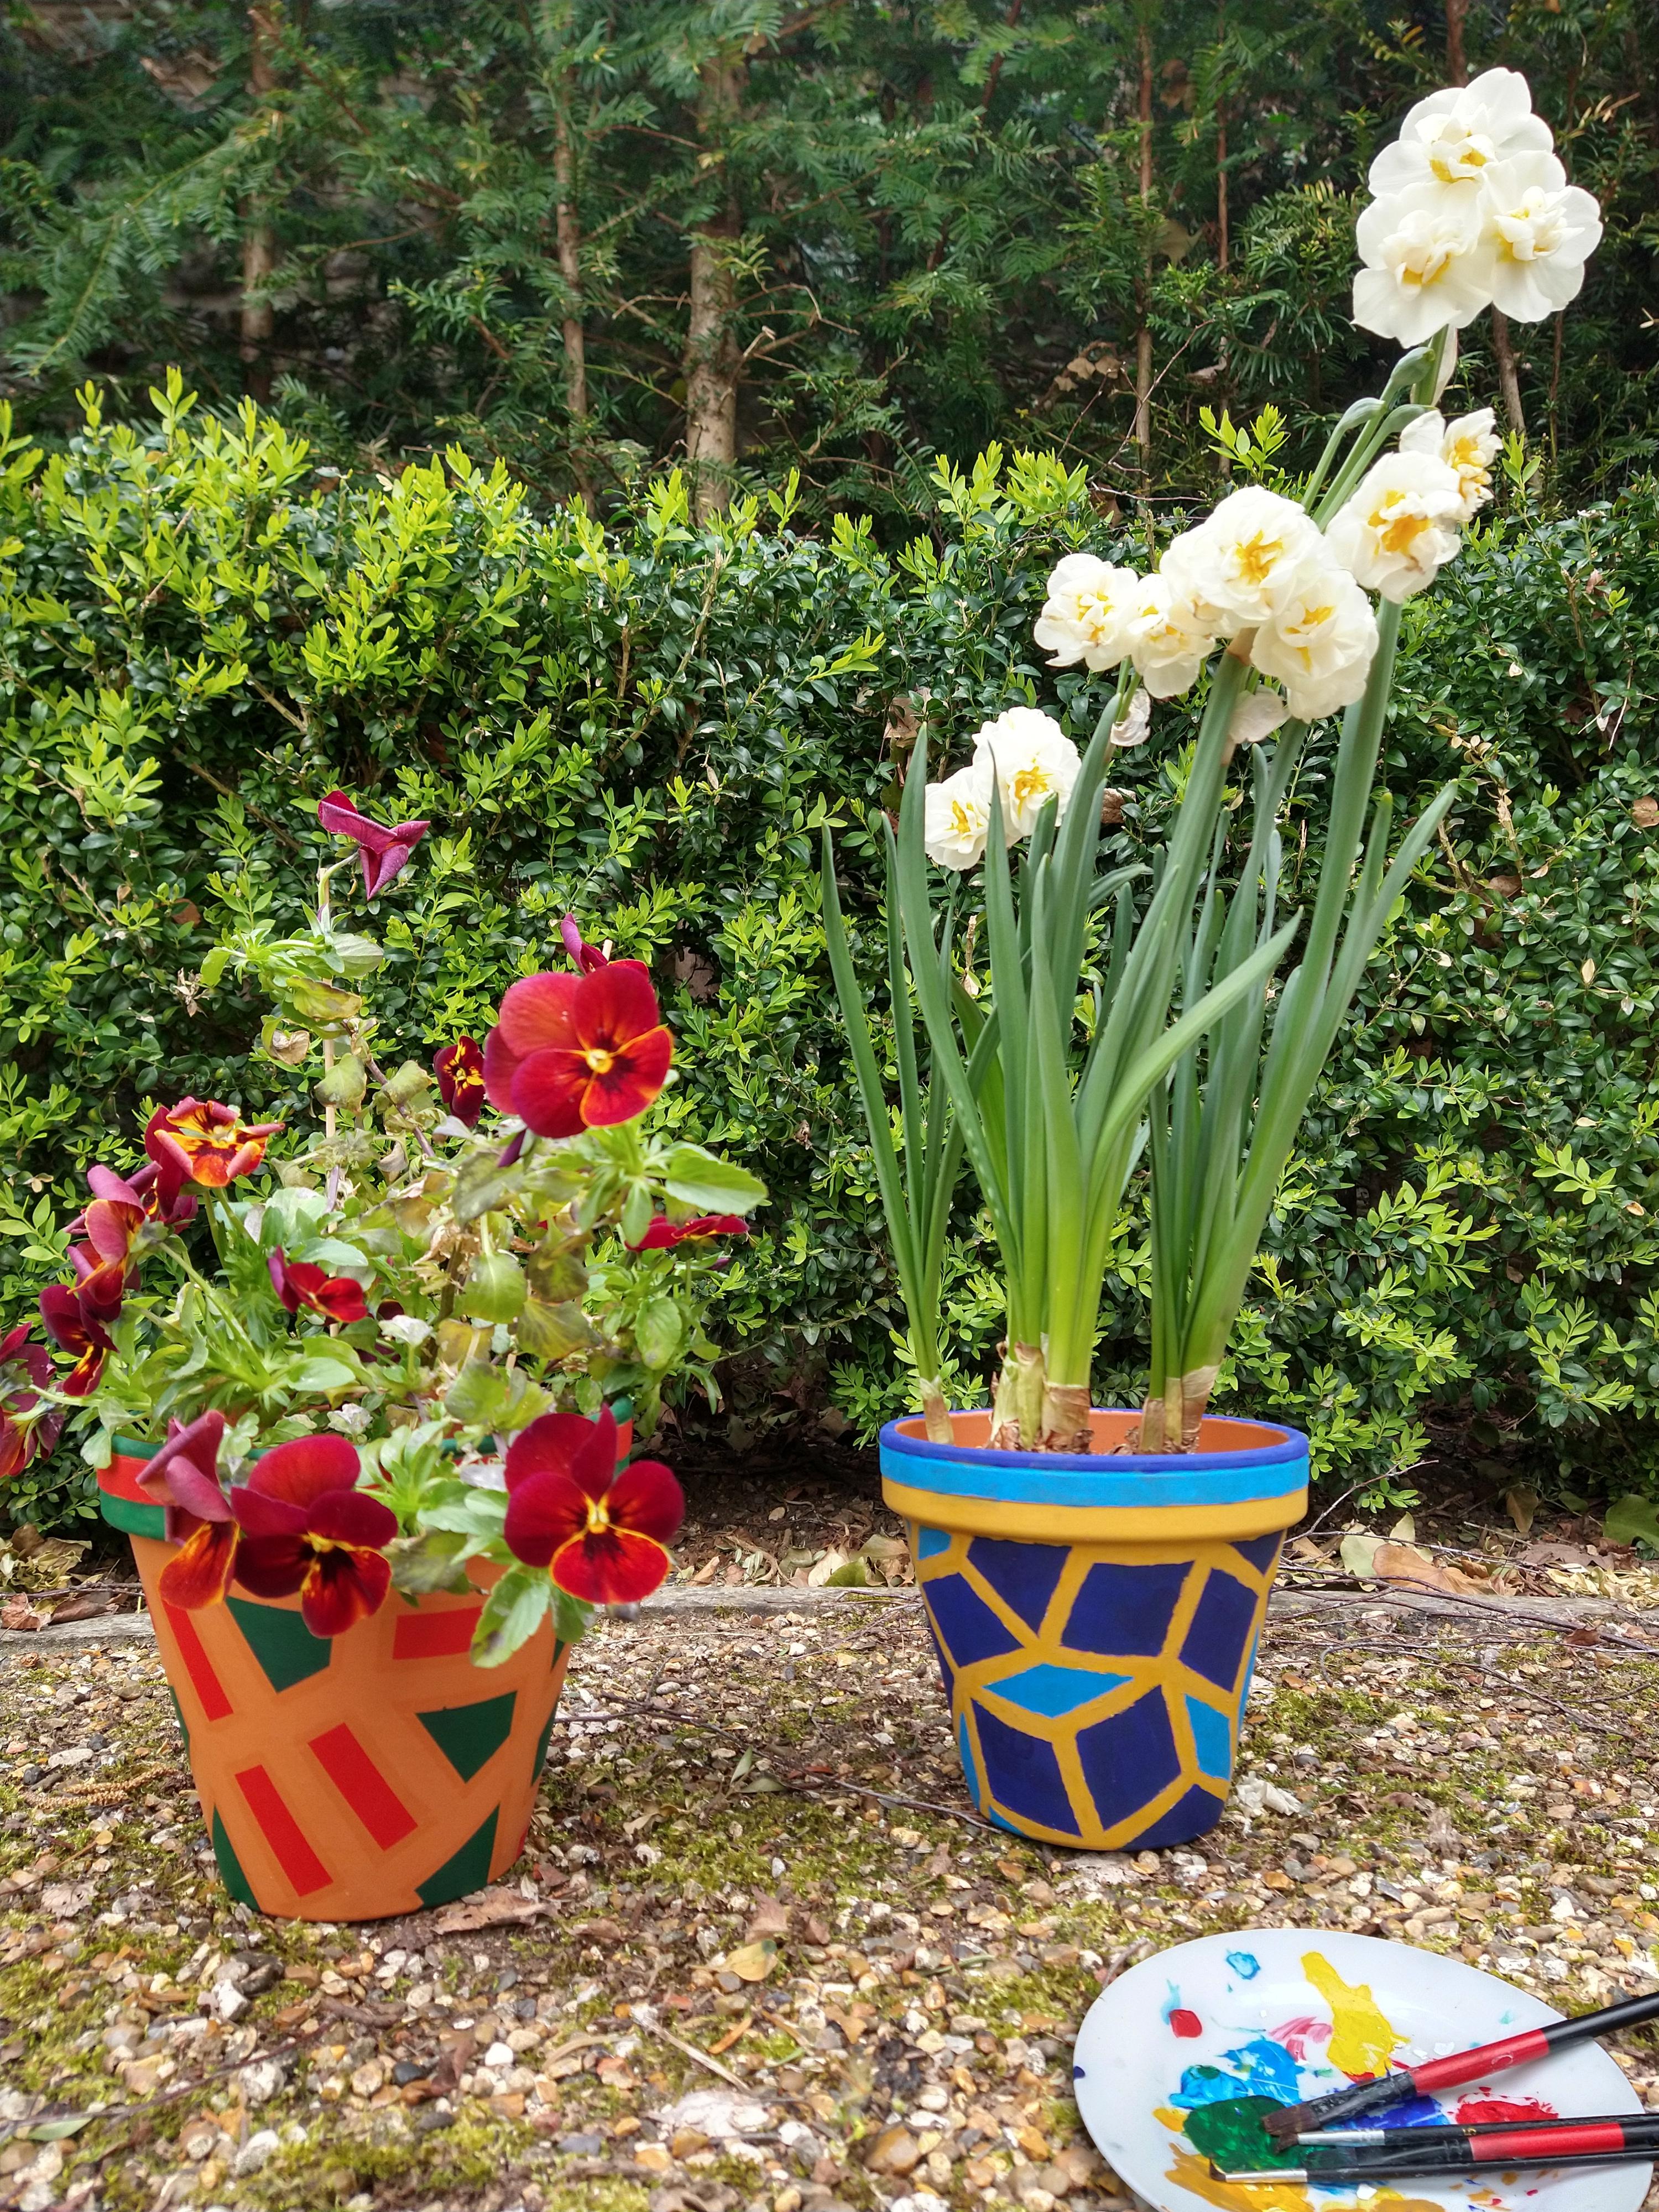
[[384, 852], [578, 1052], [663, 1234], [198, 1140], [588, 957], [603, 1534], [26, 1433], [99, 1284], [460, 1070], [306, 1527], [141, 1189], [184, 1476], [301, 1283], [77, 1331]]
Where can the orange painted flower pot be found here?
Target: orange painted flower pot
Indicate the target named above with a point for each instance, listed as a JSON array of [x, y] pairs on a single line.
[[352, 1778]]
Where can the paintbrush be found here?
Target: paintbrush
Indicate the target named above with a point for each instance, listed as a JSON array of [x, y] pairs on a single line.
[[1436, 2075], [1572, 2143], [1474, 2131]]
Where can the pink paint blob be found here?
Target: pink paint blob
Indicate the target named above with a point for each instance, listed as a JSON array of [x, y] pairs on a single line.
[[1472, 2111], [1185, 2023], [1296, 2035]]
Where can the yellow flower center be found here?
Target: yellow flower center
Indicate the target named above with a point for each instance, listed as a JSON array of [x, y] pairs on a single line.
[[1030, 782], [1395, 533], [961, 819], [598, 1517], [1256, 556], [599, 1059]]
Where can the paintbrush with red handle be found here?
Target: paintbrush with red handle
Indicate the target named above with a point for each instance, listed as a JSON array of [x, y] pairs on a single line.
[[1500, 2150], [1436, 2075]]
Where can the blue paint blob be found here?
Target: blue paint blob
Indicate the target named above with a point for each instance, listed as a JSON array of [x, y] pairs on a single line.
[[1264, 2068], [1244, 1963], [1078, 2074]]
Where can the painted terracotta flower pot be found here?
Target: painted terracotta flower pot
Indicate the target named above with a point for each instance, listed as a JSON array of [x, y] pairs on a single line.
[[1096, 1616], [356, 1777]]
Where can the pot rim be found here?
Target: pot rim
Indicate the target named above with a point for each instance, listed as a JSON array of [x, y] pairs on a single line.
[[1280, 1446]]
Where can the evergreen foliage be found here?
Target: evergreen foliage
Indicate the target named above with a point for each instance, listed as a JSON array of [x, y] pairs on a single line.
[[843, 239]]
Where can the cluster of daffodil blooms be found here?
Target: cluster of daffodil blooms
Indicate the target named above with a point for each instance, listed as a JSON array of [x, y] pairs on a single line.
[[1054, 1082]]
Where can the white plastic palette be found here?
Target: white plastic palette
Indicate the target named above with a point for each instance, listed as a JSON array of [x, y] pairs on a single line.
[[1296, 2013]]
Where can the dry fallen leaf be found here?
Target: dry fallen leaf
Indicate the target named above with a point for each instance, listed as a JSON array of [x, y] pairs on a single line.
[[1522, 1505], [753, 1962], [495, 1908]]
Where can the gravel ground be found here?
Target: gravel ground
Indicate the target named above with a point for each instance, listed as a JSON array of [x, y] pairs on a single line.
[[760, 1953]]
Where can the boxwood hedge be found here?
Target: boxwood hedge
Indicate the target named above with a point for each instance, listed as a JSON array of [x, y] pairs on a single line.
[[647, 721]]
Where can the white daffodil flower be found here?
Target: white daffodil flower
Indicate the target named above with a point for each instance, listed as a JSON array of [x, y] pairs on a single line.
[[1401, 526], [1257, 714], [1089, 613], [1425, 265], [1538, 232], [1228, 566], [1171, 641], [1319, 641], [1467, 446], [1034, 760], [1455, 136], [1133, 724], [957, 817]]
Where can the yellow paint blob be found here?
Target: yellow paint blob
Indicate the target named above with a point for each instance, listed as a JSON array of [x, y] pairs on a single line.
[[1362, 2039]]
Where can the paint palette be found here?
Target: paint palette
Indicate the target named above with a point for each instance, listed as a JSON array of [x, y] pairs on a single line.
[[1290, 2014]]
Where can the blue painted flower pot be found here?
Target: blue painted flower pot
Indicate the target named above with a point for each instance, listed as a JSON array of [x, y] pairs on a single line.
[[1095, 1616]]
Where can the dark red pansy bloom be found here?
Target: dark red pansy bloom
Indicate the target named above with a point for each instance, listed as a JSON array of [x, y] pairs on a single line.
[[587, 957], [99, 1284], [142, 1190], [578, 1052], [184, 1476], [26, 1433], [301, 1283], [459, 1068], [79, 1331], [198, 1140], [384, 852], [603, 1534], [306, 1527], [663, 1234]]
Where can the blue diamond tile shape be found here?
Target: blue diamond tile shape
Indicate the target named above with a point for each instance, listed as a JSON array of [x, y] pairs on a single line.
[[930, 1542], [1023, 1576], [1129, 1757], [1054, 1690], [1261, 1551], [1222, 1627], [1124, 1611], [1212, 1739], [1022, 1772], [967, 1627]]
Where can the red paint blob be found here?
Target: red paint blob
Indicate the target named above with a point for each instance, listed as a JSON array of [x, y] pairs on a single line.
[[1472, 2111], [1186, 2023]]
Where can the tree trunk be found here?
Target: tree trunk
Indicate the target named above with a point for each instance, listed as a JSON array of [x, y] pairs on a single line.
[[1221, 234], [259, 238], [568, 227], [1457, 68], [712, 363], [1143, 334], [1509, 383]]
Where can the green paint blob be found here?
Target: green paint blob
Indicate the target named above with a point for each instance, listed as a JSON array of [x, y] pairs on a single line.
[[1230, 2132]]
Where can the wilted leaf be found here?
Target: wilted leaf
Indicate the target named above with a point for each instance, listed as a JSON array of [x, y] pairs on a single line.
[[552, 1332], [281, 1041], [426, 1562], [753, 1962], [1359, 1551], [496, 1908], [1522, 1508], [344, 1085]]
